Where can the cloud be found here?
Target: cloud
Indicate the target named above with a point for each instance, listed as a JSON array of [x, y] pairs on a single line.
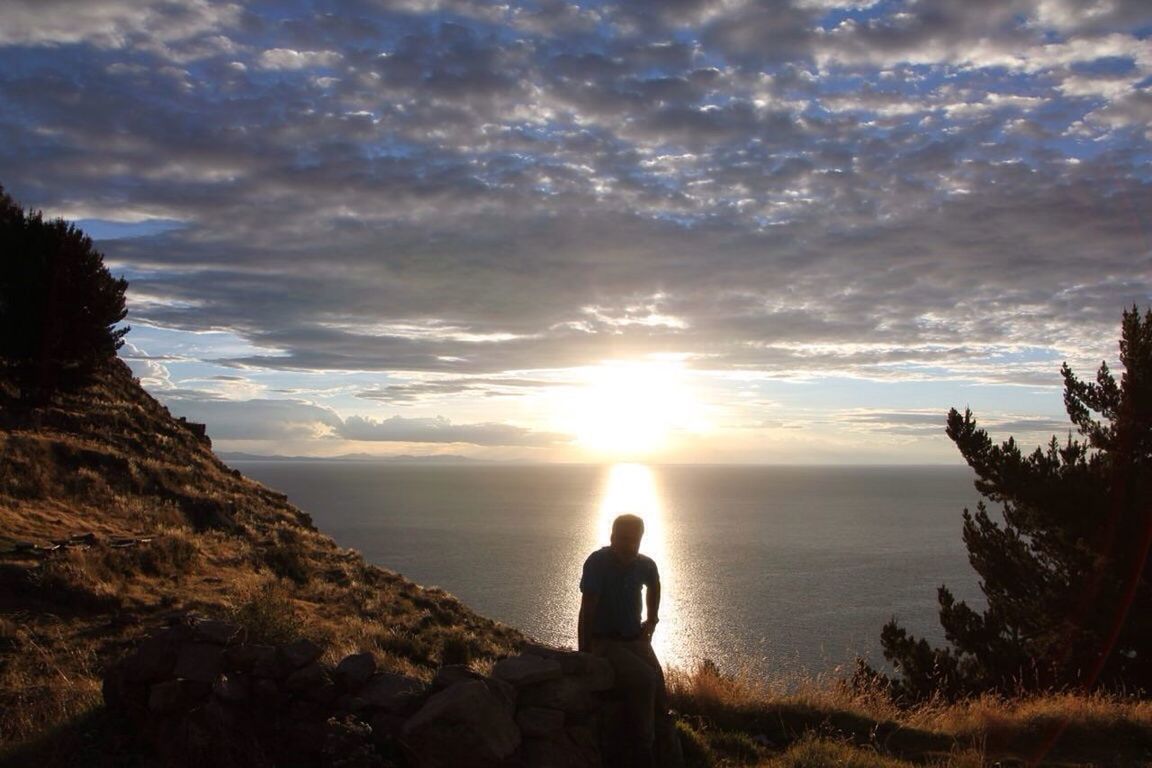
[[288, 59], [878, 190], [486, 387], [299, 420], [398, 429], [112, 23], [260, 419]]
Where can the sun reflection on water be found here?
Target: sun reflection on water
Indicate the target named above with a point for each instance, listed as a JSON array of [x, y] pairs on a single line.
[[632, 489]]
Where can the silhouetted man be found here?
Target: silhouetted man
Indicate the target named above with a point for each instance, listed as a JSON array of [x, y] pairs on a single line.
[[610, 626]]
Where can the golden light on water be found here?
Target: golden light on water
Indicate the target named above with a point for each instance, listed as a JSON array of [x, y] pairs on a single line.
[[632, 489]]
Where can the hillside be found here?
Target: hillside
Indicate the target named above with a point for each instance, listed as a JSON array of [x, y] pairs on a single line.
[[115, 517]]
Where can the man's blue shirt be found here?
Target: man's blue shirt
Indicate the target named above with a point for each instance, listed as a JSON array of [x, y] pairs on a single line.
[[618, 609]]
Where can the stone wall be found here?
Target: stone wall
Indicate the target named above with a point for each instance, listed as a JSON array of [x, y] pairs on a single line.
[[199, 694]]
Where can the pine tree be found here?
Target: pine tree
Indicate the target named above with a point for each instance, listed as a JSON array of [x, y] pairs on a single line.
[[1066, 570], [59, 306]]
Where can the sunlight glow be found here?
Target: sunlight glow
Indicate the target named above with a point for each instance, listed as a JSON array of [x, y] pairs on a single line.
[[632, 408]]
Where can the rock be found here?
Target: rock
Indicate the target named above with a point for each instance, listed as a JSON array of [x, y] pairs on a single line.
[[353, 671], [596, 672], [218, 632], [585, 743], [201, 662], [266, 690], [525, 670], [300, 653], [390, 692], [249, 658], [568, 694], [505, 691], [314, 682], [450, 674], [166, 697], [230, 688], [464, 725], [540, 723], [152, 661]]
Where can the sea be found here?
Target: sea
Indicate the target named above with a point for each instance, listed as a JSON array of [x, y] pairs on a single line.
[[784, 573]]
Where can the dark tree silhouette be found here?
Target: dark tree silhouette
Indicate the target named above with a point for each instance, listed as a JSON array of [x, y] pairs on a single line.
[[58, 303], [1066, 570]]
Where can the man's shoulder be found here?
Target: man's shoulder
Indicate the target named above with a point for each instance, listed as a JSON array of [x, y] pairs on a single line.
[[599, 556]]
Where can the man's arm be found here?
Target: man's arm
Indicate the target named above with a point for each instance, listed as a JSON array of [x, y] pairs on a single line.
[[652, 600], [588, 603]]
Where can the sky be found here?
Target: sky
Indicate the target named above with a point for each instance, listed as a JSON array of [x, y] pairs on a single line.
[[785, 231]]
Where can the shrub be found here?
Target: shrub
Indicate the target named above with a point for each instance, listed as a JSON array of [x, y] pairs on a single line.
[[269, 615]]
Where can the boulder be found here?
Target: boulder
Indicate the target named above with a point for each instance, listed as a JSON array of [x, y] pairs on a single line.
[[464, 725], [313, 682], [353, 671], [166, 697], [250, 658], [230, 688], [450, 674], [300, 653], [540, 723], [201, 662], [390, 692], [219, 632], [505, 691], [525, 670], [152, 661], [567, 694]]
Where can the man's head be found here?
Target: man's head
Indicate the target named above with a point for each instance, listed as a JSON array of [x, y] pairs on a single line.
[[627, 530]]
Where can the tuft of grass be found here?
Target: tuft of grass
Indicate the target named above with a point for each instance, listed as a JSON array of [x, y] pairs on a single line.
[[814, 752], [46, 678], [697, 753], [269, 614], [286, 556]]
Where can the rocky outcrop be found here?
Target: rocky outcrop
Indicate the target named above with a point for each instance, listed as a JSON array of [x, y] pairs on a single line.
[[199, 694]]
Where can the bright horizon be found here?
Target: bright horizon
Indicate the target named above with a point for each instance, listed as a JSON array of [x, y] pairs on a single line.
[[780, 232]]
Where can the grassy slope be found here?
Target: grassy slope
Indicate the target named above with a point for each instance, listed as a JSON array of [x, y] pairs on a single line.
[[111, 461]]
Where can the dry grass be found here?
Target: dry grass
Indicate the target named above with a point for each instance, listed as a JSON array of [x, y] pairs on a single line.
[[827, 722], [110, 461]]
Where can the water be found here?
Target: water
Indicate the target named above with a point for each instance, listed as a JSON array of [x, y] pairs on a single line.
[[780, 571]]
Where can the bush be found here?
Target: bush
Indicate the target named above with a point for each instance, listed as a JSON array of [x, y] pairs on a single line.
[[269, 615]]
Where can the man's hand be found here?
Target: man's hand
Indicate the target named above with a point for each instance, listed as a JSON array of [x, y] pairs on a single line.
[[648, 628]]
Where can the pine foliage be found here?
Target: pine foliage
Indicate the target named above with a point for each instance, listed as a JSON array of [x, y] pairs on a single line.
[[1065, 565], [59, 306]]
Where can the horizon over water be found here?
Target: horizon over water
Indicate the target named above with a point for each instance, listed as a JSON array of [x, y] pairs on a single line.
[[781, 571]]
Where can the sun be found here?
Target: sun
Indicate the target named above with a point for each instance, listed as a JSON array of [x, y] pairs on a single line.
[[632, 408]]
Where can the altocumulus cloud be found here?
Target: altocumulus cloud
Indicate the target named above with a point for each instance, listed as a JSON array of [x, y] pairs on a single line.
[[855, 188]]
